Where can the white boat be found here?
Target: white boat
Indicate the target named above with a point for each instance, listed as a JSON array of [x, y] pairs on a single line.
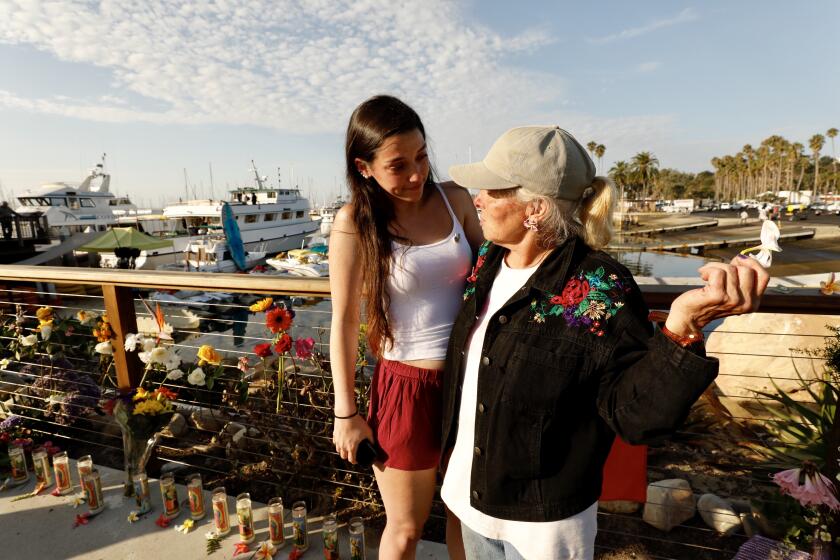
[[211, 255], [327, 214], [301, 262], [76, 207], [269, 219]]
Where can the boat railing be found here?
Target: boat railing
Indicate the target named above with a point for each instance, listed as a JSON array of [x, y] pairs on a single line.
[[286, 447]]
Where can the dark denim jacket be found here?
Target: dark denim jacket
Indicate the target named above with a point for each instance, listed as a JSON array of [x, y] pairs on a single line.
[[569, 361]]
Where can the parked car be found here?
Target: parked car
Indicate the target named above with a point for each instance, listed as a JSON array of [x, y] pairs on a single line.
[[725, 206], [834, 207]]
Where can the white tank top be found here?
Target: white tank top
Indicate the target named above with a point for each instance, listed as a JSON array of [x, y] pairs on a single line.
[[426, 287]]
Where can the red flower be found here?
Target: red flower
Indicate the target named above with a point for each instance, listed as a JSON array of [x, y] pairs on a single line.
[[166, 393], [263, 350], [574, 292], [478, 264], [162, 521], [241, 548], [284, 344], [278, 319], [303, 347], [556, 300], [81, 519], [295, 554]]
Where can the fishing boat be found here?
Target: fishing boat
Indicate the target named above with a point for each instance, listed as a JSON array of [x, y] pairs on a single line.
[[301, 262], [270, 219]]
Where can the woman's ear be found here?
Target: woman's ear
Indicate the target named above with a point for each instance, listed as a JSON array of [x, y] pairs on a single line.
[[537, 208], [363, 168]]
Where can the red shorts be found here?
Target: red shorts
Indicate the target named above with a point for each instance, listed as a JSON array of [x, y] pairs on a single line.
[[405, 415]]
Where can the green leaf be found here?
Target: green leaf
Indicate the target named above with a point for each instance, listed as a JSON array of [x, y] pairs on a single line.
[[209, 382]]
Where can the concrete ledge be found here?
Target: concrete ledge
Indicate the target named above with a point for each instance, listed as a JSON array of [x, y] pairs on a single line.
[[42, 527]]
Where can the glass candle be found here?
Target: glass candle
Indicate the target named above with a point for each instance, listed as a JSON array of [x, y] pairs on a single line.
[[245, 516], [17, 459], [84, 465], [275, 522], [356, 528], [330, 532], [61, 465], [195, 492], [93, 491], [142, 494], [169, 493], [300, 537], [220, 511], [41, 461]]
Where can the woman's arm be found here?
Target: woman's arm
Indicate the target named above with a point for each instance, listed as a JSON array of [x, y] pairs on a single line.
[[462, 205], [346, 293]]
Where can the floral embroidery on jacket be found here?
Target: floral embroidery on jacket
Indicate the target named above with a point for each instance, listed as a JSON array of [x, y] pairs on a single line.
[[482, 256], [588, 300]]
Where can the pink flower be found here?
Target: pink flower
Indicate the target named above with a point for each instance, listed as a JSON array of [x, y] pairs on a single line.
[[243, 364], [303, 347], [815, 489]]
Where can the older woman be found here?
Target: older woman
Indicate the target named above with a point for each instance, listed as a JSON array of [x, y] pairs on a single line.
[[553, 353]]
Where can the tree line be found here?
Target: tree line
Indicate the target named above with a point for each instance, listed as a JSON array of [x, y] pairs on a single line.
[[775, 165]]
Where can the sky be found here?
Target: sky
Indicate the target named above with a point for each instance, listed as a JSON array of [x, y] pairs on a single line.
[[183, 95]]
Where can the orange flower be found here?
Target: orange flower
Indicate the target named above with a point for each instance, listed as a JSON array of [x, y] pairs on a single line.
[[278, 319]]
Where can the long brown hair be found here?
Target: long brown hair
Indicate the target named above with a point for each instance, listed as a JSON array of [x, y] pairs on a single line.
[[371, 123]]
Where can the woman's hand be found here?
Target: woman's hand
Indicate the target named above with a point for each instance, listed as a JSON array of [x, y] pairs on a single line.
[[348, 433], [731, 289]]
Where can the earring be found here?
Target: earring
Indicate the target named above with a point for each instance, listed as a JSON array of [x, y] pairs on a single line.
[[531, 224]]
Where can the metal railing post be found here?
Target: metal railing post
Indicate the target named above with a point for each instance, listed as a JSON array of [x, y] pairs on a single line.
[[119, 305]]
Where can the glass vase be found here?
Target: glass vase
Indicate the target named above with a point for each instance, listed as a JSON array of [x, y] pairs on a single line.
[[821, 550], [136, 453]]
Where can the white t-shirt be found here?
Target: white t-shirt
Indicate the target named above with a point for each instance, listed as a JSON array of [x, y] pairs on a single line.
[[572, 538]]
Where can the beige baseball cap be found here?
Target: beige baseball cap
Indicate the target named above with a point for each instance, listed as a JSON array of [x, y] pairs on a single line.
[[546, 160]]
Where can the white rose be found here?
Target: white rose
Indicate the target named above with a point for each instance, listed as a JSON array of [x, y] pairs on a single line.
[[28, 340], [46, 331], [144, 356], [104, 348], [175, 374], [132, 340], [196, 377], [4, 363], [148, 344]]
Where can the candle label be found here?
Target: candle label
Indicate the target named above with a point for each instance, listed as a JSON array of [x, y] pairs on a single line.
[[142, 495], [170, 499], [275, 527], [357, 547], [40, 475], [220, 516], [331, 545], [18, 464], [299, 532], [93, 491], [44, 462], [62, 476], [246, 524], [196, 497]]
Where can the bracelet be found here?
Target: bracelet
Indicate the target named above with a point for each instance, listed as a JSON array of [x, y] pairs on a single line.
[[356, 413], [660, 317]]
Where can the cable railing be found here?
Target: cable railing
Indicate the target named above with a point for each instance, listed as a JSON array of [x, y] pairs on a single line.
[[286, 446]]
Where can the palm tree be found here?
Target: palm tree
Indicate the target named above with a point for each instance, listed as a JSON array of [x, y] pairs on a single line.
[[621, 174], [645, 167], [816, 144], [600, 149], [590, 147]]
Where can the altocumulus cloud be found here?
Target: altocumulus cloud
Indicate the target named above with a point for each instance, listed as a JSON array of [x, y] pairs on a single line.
[[292, 65]]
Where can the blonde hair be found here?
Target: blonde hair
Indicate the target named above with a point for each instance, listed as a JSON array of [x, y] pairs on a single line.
[[590, 217]]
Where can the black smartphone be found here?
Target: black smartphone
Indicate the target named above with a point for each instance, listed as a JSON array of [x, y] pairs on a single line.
[[365, 453]]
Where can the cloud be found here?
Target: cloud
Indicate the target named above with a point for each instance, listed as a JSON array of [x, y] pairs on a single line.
[[645, 67], [293, 65], [683, 17]]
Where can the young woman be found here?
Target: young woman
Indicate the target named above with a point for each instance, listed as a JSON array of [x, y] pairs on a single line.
[[403, 246]]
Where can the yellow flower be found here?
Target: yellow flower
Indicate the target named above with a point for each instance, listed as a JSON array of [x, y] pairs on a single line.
[[85, 317], [186, 527], [151, 407], [142, 394], [42, 323], [132, 516], [44, 314], [208, 355], [261, 305]]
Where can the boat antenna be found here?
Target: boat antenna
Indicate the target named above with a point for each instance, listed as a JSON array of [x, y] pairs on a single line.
[[279, 179], [186, 186], [212, 187], [257, 175]]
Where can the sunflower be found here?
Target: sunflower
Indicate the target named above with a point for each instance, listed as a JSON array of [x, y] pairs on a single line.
[[261, 305]]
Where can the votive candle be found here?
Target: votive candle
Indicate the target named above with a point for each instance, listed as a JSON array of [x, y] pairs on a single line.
[[195, 492], [300, 537], [245, 516], [41, 461], [356, 528], [61, 465], [142, 494], [329, 530], [275, 522], [220, 511], [169, 493]]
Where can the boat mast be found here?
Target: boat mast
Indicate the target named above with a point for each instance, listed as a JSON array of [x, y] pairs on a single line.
[[257, 175]]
